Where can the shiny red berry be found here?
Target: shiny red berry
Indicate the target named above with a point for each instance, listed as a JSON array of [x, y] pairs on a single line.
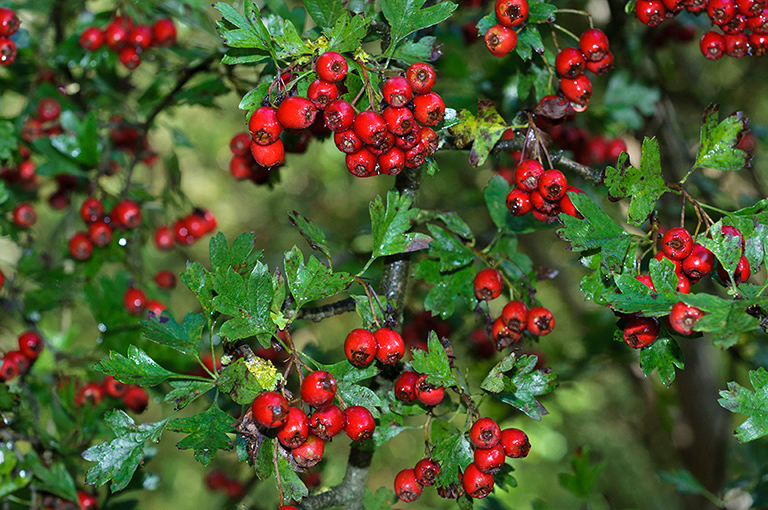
[[740, 275], [593, 43], [91, 394], [699, 262], [321, 93], [9, 22], [476, 483], [264, 127], [485, 433], [113, 387], [126, 214], [405, 386], [7, 56], [392, 162], [566, 205], [240, 145], [140, 37], [269, 156], [48, 109], [156, 307], [500, 40], [360, 423], [369, 126], [136, 399], [426, 470], [296, 112], [399, 120], [165, 279], [429, 109], [24, 215], [570, 63], [422, 77], [641, 331], [415, 155], [80, 247], [511, 13], [519, 202], [8, 368], [391, 346], [577, 90], [515, 443], [736, 45], [683, 317], [503, 335], [347, 141], [407, 487], [601, 66], [397, 91], [135, 301], [429, 139], [360, 347], [295, 430], [100, 233], [730, 232], [331, 66], [270, 409], [339, 115], [327, 421], [362, 163], [489, 460], [87, 501], [552, 185], [721, 11], [540, 321], [646, 280], [712, 45], [310, 452], [164, 32], [427, 393], [650, 12], [488, 284], [91, 210], [515, 316], [129, 57], [30, 344], [677, 243], [318, 388]]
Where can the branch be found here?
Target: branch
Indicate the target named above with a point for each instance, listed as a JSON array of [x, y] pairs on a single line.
[[319, 313]]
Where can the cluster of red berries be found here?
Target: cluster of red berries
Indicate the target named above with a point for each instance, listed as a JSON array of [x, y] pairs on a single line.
[[18, 362], [375, 143], [243, 165], [129, 40], [411, 481], [385, 344], [692, 262], [45, 123], [185, 231], [218, 481], [125, 215], [744, 23], [136, 302], [592, 55], [9, 24], [133, 397], [304, 435], [411, 386], [502, 38], [542, 193]]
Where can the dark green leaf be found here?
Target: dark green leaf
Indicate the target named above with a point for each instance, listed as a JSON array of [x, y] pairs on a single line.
[[629, 100], [380, 500], [184, 392], [369, 310], [248, 304], [208, 433], [244, 380], [683, 481], [455, 224], [584, 474], [252, 100], [54, 478], [345, 371], [11, 479], [494, 381], [453, 453], [184, 337], [481, 131], [356, 395], [389, 226], [524, 384], [8, 398], [528, 42], [663, 355], [540, 12], [222, 256], [390, 425], [235, 56], [137, 368], [717, 147], [727, 249], [324, 12], [634, 296], [312, 233], [433, 362], [486, 22], [348, 32], [313, 281], [451, 252], [724, 318], [754, 404], [422, 51], [406, 16], [8, 139], [200, 281], [448, 287]]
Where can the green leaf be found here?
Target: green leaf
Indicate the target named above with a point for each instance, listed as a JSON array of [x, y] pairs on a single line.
[[369, 310], [525, 384], [433, 362], [390, 425], [208, 433], [252, 100], [54, 478], [683, 481], [724, 318], [8, 399], [455, 224], [239, 31], [346, 372], [137, 368], [453, 453], [486, 22], [448, 287], [235, 56], [634, 296], [289, 43], [184, 337], [244, 380], [200, 281], [312, 233], [481, 131], [628, 100], [494, 381], [380, 500], [348, 33], [753, 404], [8, 139], [389, 226], [239, 255], [540, 12], [356, 395], [324, 12], [184, 392], [313, 281], [407, 16], [11, 479], [290, 483], [451, 252], [644, 186], [717, 147], [584, 474], [596, 230], [118, 459], [247, 302], [663, 355], [727, 249], [528, 42], [421, 51]]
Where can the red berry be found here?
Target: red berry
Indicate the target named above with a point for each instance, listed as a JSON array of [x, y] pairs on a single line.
[[339, 115], [593, 43], [641, 331], [126, 214], [2, 279], [699, 262], [677, 263], [360, 347], [362, 163], [241, 167], [405, 386], [156, 307], [392, 161], [165, 279], [500, 40], [407, 487], [503, 335], [683, 283], [749, 7], [270, 409], [646, 280], [397, 91], [489, 460], [91, 210], [399, 120], [730, 231], [552, 185], [422, 77], [136, 399], [426, 470], [577, 90], [429, 109], [113, 387], [327, 421], [100, 233], [30, 344], [195, 225], [712, 45], [9, 22], [163, 238], [295, 430], [391, 346], [264, 127], [601, 66], [740, 275], [240, 145], [566, 205], [164, 32], [7, 56], [540, 321], [360, 423], [87, 501], [321, 93], [289, 507], [485, 433], [428, 394], [488, 284], [739, 22], [682, 317], [135, 301], [270, 155], [331, 66], [515, 443], [310, 453], [318, 388], [21, 362], [736, 45], [129, 57], [296, 112], [347, 142], [721, 11], [511, 13], [519, 202], [24, 215], [430, 140], [476, 483], [181, 233], [140, 37], [650, 12], [677, 243], [48, 109], [415, 155], [410, 139], [515, 316], [80, 247], [8, 368], [570, 63], [91, 394], [369, 126]]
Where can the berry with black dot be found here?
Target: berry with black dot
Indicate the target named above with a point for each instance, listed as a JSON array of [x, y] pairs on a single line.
[[515, 443], [331, 66], [485, 433], [295, 430], [427, 393], [391, 346], [426, 471], [476, 483], [405, 386], [327, 422], [270, 409], [318, 388], [422, 77], [360, 423], [407, 487], [310, 452], [30, 344], [640, 332], [488, 284]]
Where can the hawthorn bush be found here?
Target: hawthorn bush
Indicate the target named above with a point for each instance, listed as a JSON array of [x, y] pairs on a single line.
[[373, 255]]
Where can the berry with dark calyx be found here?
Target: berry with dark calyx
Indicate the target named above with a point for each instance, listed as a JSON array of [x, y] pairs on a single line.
[[736, 45], [699, 262], [369, 126], [399, 120], [641, 331], [327, 421], [429, 109], [270, 409], [296, 112], [80, 247], [331, 66], [113, 387], [136, 399], [22, 362], [426, 470], [540, 321], [164, 32], [9, 22], [515, 316], [577, 90], [429, 139], [500, 40], [295, 430], [360, 423], [270, 155], [515, 443], [310, 452], [391, 346], [543, 206], [740, 275], [593, 43], [126, 214], [362, 163], [339, 115], [422, 77], [407, 487], [511, 13], [601, 66], [392, 162], [683, 283], [721, 11], [135, 301], [321, 93], [100, 233], [405, 386], [347, 142], [677, 263], [129, 57], [677, 243], [476, 483], [552, 185], [570, 63], [318, 388], [683, 317], [490, 460], [738, 23], [24, 215], [712, 45], [7, 56], [426, 393], [91, 394], [503, 335], [91, 210], [749, 7], [415, 155], [8, 369], [360, 347], [30, 345], [451, 491], [264, 127], [397, 91], [650, 12], [488, 284], [485, 433], [519, 202]]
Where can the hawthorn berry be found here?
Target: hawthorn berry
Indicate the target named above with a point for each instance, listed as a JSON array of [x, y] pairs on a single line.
[[712, 45], [429, 109], [294, 431], [7, 56], [422, 77], [318, 388], [264, 127], [17, 358], [391, 346], [429, 139], [410, 139], [519, 202], [489, 460], [683, 283], [570, 63], [8, 369], [540, 321], [140, 37], [427, 393], [91, 394], [407, 487], [740, 275], [577, 90], [552, 185], [485, 433], [359, 423], [699, 262], [369, 126], [360, 347], [601, 66], [500, 40], [114, 388], [650, 12], [476, 483], [677, 243], [641, 331], [392, 161], [677, 263], [321, 93], [488, 284], [515, 443], [566, 205], [736, 45], [135, 301], [327, 421], [80, 246], [310, 452], [730, 231], [503, 335], [515, 316], [195, 225], [129, 57], [156, 307], [87, 501], [683, 317], [399, 120], [9, 22], [165, 279], [48, 109], [91, 210], [126, 214], [240, 145], [426, 470], [24, 215], [331, 66], [362, 163], [30, 344], [511, 13], [270, 409], [270, 155], [415, 155], [593, 43], [339, 115], [405, 386], [397, 91], [164, 32], [181, 233], [296, 112], [136, 399], [646, 280]]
